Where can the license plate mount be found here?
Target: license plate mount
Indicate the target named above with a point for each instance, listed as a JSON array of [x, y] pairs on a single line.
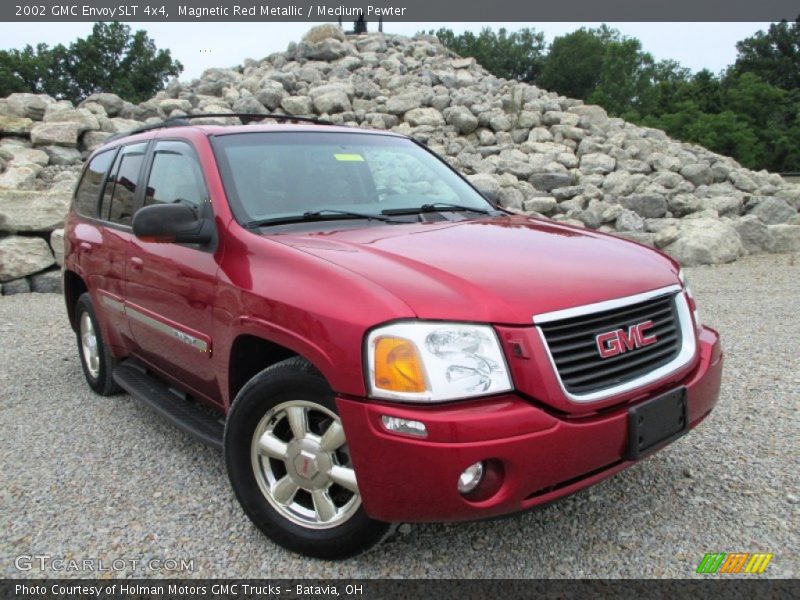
[[657, 422]]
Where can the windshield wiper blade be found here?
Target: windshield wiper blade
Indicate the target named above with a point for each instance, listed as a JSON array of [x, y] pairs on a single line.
[[434, 207], [323, 214]]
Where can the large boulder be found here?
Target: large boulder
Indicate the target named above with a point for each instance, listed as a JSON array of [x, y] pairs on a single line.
[[783, 238], [15, 125], [773, 210], [56, 134], [111, 103], [23, 256], [424, 116], [26, 210], [705, 242], [31, 106]]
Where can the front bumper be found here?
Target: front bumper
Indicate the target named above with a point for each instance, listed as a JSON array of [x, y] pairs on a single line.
[[544, 455]]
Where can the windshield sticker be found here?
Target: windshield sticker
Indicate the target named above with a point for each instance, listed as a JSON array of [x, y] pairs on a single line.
[[349, 157]]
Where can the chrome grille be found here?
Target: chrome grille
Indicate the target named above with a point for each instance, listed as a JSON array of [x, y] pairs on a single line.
[[572, 342]]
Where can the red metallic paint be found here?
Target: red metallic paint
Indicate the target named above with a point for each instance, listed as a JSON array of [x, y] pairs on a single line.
[[318, 294]]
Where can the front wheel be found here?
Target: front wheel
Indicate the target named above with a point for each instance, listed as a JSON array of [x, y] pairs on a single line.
[[290, 467], [96, 358]]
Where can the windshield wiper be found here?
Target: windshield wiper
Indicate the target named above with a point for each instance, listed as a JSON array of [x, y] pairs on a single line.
[[434, 207], [323, 214]]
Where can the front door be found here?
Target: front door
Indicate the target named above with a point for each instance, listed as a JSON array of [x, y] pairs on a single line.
[[170, 287]]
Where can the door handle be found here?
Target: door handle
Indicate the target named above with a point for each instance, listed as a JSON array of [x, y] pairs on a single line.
[[137, 264], [85, 247]]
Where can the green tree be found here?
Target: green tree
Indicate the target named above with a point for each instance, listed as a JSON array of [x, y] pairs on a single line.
[[773, 55], [516, 55], [110, 59], [573, 64]]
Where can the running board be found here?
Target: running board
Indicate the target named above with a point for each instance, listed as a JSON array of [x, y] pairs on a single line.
[[153, 392]]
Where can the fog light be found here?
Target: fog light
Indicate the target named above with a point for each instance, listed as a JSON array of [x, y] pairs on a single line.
[[470, 478], [404, 426]]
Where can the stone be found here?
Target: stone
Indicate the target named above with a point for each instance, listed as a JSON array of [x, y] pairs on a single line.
[[664, 162], [22, 156], [271, 94], [48, 282], [17, 286], [640, 237], [550, 181], [646, 205], [402, 103], [92, 140], [15, 125], [17, 178], [56, 134], [783, 238], [666, 236], [705, 242], [31, 106], [544, 205], [112, 103], [424, 116], [627, 220], [597, 162], [590, 114], [323, 32], [57, 246], [462, 119], [697, 174], [485, 183], [23, 256], [83, 118], [297, 105], [753, 233], [742, 181], [683, 204], [773, 210], [330, 99], [28, 210], [61, 156], [118, 125], [510, 197]]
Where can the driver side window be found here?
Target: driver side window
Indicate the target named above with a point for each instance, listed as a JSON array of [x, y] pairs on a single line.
[[175, 176]]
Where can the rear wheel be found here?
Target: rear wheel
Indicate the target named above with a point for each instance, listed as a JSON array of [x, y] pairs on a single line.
[[96, 359], [289, 464]]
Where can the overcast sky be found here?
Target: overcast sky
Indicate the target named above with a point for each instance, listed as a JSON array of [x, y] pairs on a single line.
[[202, 45]]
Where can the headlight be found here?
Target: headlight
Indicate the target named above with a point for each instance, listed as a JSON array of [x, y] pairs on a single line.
[[692, 302], [435, 362]]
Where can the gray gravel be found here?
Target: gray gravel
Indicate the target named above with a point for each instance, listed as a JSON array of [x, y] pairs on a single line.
[[103, 478]]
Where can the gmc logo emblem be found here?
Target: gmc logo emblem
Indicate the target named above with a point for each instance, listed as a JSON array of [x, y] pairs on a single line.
[[618, 341]]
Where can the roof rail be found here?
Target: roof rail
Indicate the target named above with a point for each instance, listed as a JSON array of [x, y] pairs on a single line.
[[245, 118]]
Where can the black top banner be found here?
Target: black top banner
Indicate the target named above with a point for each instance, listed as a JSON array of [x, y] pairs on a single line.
[[400, 10]]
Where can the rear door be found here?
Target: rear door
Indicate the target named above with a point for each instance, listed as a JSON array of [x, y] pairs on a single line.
[[170, 287]]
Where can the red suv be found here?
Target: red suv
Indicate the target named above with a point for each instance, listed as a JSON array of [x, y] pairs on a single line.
[[369, 338]]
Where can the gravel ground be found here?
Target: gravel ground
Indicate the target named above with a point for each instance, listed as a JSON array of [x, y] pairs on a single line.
[[103, 478]]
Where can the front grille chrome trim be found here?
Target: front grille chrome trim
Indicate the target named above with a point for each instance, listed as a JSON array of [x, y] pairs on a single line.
[[684, 357]]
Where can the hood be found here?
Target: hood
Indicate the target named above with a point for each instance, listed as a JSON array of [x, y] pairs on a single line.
[[498, 270]]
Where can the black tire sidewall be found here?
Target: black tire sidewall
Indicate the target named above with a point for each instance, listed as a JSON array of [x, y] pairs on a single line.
[[104, 383], [290, 380]]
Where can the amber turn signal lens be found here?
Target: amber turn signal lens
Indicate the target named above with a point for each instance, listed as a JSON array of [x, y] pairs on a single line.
[[398, 367]]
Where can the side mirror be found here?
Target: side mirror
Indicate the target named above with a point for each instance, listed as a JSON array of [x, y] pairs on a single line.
[[165, 223]]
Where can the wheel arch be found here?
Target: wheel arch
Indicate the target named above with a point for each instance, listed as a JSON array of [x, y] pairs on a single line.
[[74, 286]]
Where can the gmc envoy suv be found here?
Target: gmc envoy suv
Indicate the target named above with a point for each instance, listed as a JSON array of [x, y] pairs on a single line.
[[367, 337]]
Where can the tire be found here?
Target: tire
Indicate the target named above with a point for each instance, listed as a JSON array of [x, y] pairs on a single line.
[[300, 490], [96, 359]]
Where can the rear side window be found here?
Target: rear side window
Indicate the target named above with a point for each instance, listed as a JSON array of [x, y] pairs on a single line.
[[91, 183], [175, 176], [119, 198]]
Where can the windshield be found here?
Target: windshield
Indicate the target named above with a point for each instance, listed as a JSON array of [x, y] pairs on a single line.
[[279, 175]]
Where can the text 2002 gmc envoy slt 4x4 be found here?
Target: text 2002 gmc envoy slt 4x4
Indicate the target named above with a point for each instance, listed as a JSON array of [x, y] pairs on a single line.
[[368, 338]]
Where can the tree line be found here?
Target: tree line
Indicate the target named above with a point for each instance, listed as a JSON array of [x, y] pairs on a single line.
[[111, 59], [750, 111]]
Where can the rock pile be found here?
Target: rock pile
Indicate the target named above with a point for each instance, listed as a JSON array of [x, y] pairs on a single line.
[[540, 153]]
